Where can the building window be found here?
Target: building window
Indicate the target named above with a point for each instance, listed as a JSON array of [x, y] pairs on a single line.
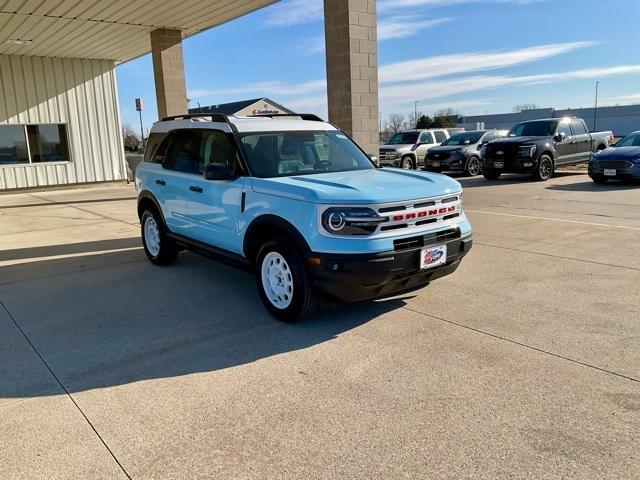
[[13, 145], [23, 144]]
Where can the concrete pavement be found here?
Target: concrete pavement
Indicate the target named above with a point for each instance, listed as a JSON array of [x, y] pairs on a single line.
[[523, 364]]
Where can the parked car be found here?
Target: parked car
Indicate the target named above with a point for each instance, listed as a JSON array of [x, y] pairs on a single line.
[[620, 161], [461, 152], [537, 147], [299, 203], [408, 149]]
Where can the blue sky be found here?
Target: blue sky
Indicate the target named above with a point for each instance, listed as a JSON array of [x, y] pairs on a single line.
[[476, 56]]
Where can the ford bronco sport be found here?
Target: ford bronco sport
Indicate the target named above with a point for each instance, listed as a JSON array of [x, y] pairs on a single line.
[[298, 202]]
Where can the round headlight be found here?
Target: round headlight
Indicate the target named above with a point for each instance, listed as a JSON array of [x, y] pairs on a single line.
[[336, 221]]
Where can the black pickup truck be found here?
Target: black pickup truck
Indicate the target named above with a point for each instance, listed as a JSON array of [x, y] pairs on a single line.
[[537, 147]]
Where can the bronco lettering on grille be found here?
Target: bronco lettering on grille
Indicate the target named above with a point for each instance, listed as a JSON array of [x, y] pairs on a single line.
[[434, 212]]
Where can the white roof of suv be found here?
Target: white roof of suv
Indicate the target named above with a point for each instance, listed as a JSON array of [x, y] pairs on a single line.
[[231, 123]]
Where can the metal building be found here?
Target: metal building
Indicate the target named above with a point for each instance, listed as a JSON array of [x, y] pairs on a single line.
[[59, 118]]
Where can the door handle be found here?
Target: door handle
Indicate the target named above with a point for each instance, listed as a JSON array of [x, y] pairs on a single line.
[[161, 182], [195, 189]]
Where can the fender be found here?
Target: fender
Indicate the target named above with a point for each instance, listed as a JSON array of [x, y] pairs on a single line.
[[146, 196], [266, 222]]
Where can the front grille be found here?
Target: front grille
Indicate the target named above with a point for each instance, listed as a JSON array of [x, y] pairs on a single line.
[[616, 164], [421, 241], [438, 156], [508, 151], [387, 155]]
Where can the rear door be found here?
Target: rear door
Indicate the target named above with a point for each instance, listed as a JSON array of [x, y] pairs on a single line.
[[565, 150], [582, 139], [179, 173], [215, 206]]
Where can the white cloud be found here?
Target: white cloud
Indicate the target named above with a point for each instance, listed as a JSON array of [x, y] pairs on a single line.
[[403, 26], [297, 12], [431, 67]]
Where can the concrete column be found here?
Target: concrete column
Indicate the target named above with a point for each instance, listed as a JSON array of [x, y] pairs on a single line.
[[352, 69], [168, 71]]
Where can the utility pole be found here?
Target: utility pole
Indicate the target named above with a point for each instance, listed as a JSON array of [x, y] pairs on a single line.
[[415, 114], [595, 109]]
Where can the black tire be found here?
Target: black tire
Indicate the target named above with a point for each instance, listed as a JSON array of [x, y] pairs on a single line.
[[474, 167], [303, 301], [545, 169], [168, 252], [407, 163], [491, 174], [600, 180]]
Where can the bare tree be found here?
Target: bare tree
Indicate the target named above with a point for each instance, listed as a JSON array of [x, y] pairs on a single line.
[[524, 106], [446, 113], [130, 138], [396, 122]]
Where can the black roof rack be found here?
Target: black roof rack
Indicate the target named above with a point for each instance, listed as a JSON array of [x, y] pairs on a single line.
[[304, 116], [215, 117]]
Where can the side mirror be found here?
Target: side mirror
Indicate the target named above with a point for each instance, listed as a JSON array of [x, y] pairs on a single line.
[[480, 145], [561, 137], [218, 171]]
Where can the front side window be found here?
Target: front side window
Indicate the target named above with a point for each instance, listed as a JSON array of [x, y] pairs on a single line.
[[564, 127], [183, 151], [215, 147], [13, 145], [20, 144], [283, 154], [440, 137]]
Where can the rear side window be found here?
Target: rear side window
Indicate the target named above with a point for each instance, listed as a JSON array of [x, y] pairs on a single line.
[[215, 147], [153, 142], [440, 137], [184, 151], [578, 127]]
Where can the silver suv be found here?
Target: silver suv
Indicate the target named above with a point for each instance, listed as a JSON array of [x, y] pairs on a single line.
[[409, 148]]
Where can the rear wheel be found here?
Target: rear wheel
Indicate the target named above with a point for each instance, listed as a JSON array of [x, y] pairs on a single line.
[[407, 163], [473, 167], [491, 174], [284, 284], [600, 180], [545, 169], [160, 250]]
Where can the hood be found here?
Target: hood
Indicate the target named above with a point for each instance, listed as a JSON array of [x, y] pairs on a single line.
[[399, 147], [619, 153], [512, 140], [360, 187], [452, 148]]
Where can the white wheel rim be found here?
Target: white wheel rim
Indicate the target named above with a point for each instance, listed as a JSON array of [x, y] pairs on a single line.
[[277, 280], [152, 236]]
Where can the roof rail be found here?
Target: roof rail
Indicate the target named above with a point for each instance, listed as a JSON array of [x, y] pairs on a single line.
[[215, 117], [304, 116]]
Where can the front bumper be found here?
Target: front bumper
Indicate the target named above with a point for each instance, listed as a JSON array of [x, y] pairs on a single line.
[[630, 173], [357, 277], [450, 164], [510, 165]]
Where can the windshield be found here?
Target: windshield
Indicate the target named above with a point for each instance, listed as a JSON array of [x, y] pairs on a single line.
[[534, 129], [632, 140], [285, 154], [404, 138], [468, 138]]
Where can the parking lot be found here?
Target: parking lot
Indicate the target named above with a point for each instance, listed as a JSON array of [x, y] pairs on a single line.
[[523, 364]]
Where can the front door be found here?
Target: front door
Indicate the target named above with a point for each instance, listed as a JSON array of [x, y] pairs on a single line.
[[565, 150], [214, 206], [425, 142]]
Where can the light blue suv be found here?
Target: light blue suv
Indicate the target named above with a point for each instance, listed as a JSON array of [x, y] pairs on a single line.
[[298, 202]]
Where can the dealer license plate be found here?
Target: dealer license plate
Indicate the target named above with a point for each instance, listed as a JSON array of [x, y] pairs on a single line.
[[433, 257], [609, 172], [498, 164]]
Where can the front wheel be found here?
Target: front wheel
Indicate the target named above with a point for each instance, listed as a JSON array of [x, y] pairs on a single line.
[[160, 250], [407, 163], [283, 281], [545, 169], [473, 167]]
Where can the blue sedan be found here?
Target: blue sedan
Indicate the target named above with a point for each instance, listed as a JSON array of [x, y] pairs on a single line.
[[620, 161]]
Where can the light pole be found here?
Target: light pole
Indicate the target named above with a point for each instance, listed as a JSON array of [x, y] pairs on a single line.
[[595, 109], [415, 114]]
